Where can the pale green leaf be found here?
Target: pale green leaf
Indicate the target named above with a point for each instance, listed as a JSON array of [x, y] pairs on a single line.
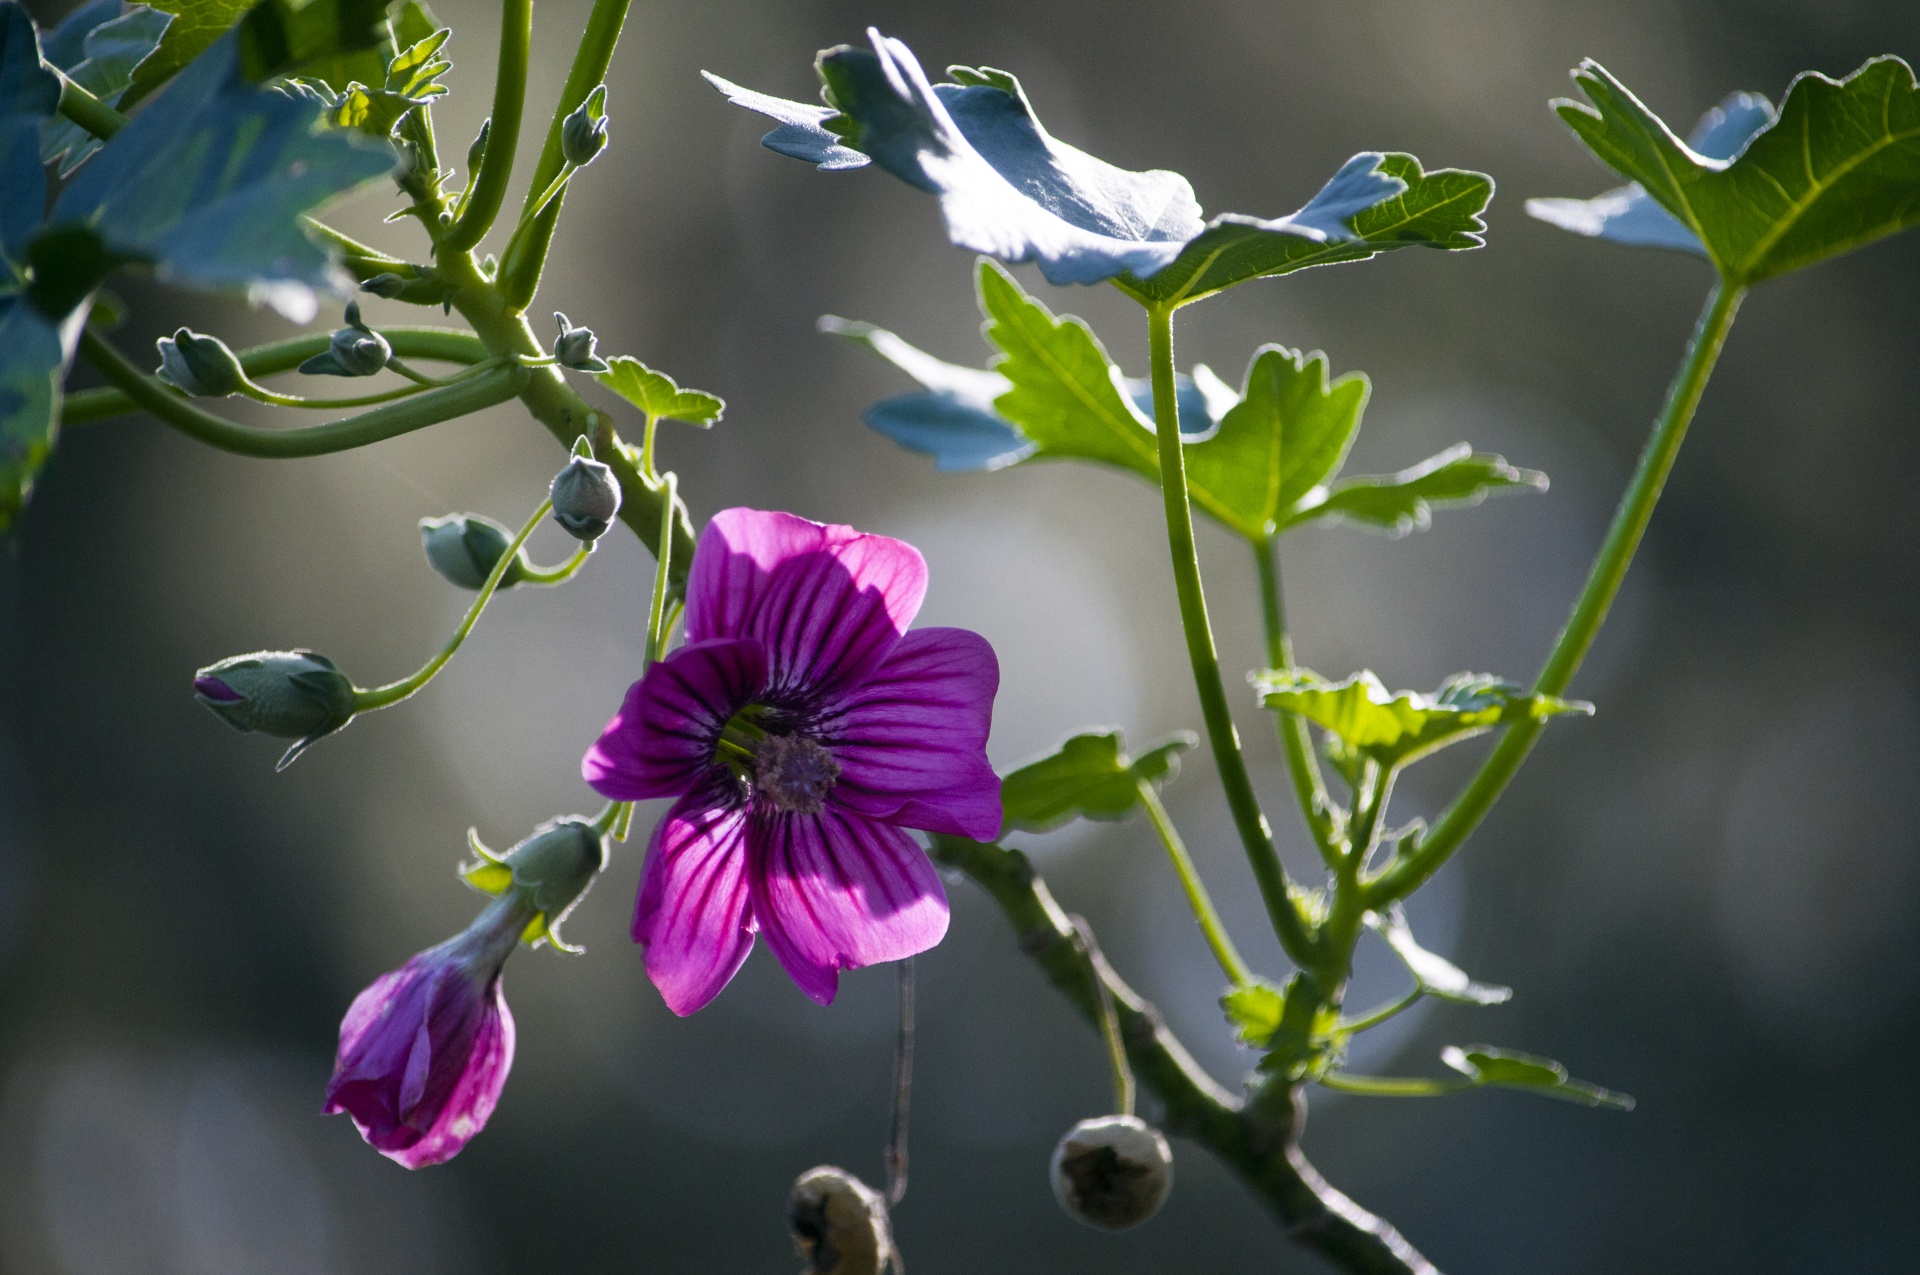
[[1090, 776], [1485, 1065], [1838, 169], [1395, 728], [1403, 502], [658, 395], [1436, 975]]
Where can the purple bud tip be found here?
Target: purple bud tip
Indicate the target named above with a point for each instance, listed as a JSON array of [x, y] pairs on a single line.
[[214, 689]]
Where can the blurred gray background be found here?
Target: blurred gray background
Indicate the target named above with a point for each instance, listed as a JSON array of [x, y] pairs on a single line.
[[1708, 895]]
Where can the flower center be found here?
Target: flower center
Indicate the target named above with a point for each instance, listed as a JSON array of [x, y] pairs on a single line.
[[794, 773]]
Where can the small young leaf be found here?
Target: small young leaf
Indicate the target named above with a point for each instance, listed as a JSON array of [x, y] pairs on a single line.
[[1398, 728], [1628, 215], [1485, 1065], [657, 394], [1837, 169], [1410, 207], [208, 184], [1254, 1010], [99, 48], [1403, 502], [1089, 777], [1436, 975]]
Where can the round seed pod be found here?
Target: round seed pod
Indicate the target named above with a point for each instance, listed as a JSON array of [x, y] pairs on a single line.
[[1112, 1172], [839, 1224]]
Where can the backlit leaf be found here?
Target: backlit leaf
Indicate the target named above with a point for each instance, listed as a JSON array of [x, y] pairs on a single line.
[[99, 48], [1009, 189], [658, 395], [1485, 1065], [1090, 776], [1395, 728], [1435, 974], [1403, 502], [1838, 168], [196, 25]]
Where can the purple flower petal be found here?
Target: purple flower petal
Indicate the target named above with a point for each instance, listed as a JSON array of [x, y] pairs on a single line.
[[215, 689], [662, 739], [911, 741], [827, 602], [836, 891], [424, 1053], [693, 916]]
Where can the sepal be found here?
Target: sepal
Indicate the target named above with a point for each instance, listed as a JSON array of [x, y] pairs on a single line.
[[547, 873]]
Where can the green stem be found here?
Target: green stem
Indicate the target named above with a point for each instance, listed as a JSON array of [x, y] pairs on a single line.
[[509, 100], [1123, 1082], [88, 111], [446, 344], [662, 574], [530, 574], [1391, 1086], [397, 366], [418, 412], [261, 394], [1421, 860], [393, 692], [1259, 1142], [1198, 899], [1255, 835], [520, 268], [609, 820], [534, 208], [1385, 1012], [1309, 785]]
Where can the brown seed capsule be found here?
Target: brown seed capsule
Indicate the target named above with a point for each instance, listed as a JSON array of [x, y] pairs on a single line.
[[839, 1224], [1113, 1172]]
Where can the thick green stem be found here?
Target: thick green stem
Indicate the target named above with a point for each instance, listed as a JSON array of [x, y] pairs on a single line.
[[521, 267], [1259, 1142], [1423, 858], [448, 345], [1215, 930], [1309, 785], [88, 111], [509, 101], [418, 412], [1224, 738]]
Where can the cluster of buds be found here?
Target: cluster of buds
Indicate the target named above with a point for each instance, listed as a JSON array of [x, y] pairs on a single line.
[[355, 350], [425, 1050]]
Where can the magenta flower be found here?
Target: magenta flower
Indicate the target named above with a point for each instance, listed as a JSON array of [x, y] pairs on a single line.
[[802, 729], [425, 1050]]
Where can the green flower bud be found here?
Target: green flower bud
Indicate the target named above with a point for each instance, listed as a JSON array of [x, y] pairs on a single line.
[[296, 695], [477, 153], [388, 285], [547, 873], [586, 497], [575, 347], [1113, 1172], [839, 1224], [199, 365], [356, 350], [583, 134], [463, 548]]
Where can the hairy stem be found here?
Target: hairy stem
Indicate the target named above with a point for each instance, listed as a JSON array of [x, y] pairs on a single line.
[[1309, 785], [175, 409], [1224, 738], [1421, 859], [509, 101], [526, 257], [1259, 1141]]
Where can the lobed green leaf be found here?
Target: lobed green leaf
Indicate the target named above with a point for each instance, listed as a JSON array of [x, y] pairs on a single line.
[[1397, 728], [659, 395], [1403, 502], [1090, 776], [1507, 1069]]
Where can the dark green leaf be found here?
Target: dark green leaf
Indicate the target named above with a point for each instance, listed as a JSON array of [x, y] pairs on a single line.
[[208, 184], [1440, 209], [1839, 167], [1403, 502], [658, 395], [1485, 1065], [1089, 777], [109, 52], [1398, 728], [285, 37], [1436, 975]]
